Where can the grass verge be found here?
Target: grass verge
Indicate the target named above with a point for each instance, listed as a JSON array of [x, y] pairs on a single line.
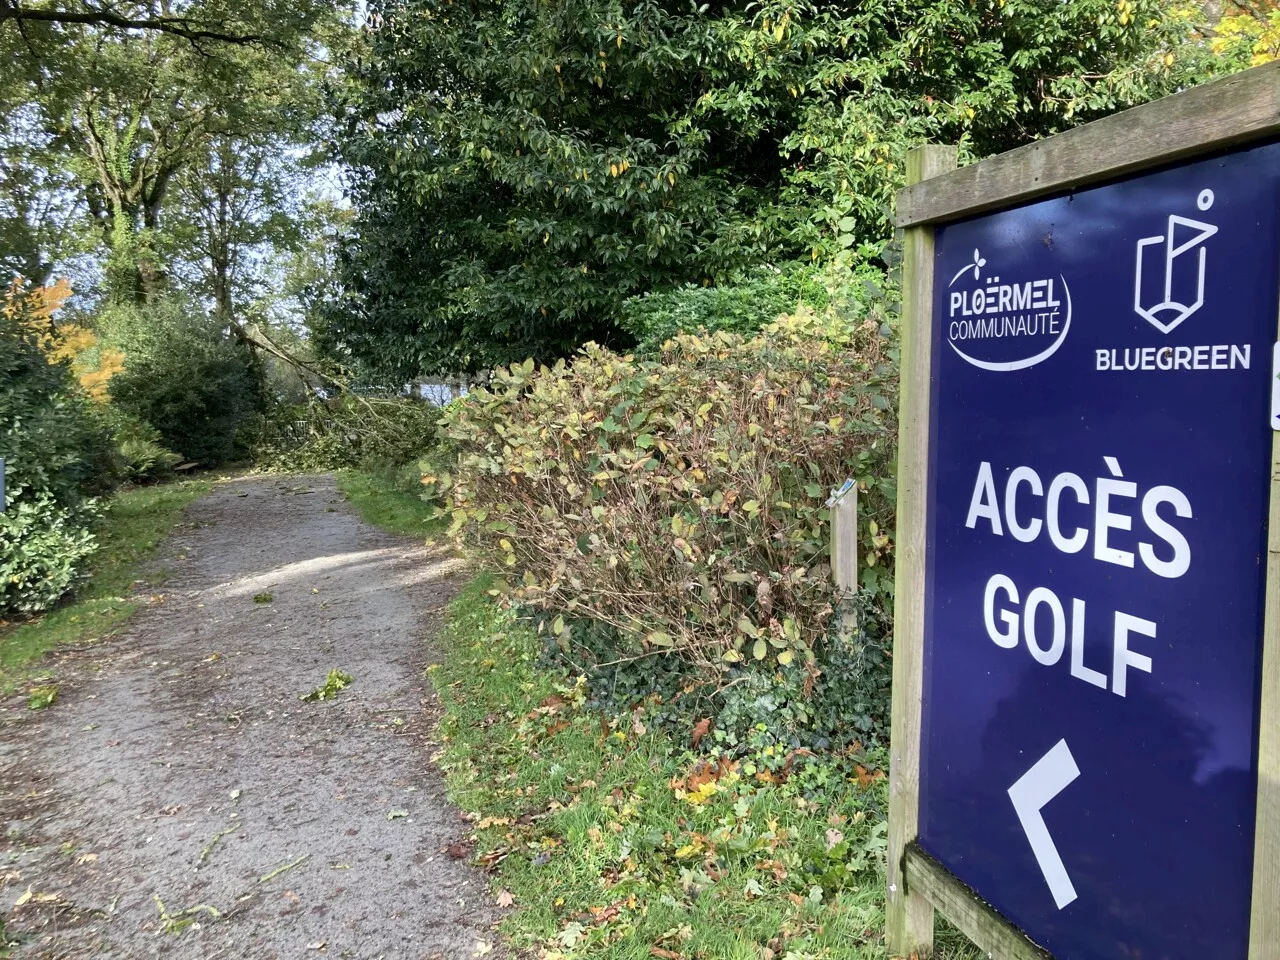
[[613, 841], [135, 523], [386, 501]]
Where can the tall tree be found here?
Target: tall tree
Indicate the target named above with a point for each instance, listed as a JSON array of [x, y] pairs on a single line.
[[518, 169], [138, 105], [41, 210], [237, 207]]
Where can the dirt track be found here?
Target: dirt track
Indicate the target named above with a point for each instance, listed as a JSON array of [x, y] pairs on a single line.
[[185, 738]]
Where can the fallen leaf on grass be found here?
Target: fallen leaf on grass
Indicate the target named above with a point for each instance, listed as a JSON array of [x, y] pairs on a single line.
[[865, 777], [493, 857], [700, 730], [603, 915], [505, 898], [664, 954]]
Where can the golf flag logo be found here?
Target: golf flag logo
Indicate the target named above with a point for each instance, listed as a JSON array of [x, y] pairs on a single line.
[[1170, 288]]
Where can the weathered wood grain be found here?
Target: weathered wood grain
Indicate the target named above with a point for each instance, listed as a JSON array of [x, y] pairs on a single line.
[[844, 557], [976, 919], [909, 916], [1264, 927]]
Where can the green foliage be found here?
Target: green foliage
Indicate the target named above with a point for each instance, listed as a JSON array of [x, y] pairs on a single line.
[[57, 456], [393, 500], [681, 500], [738, 306], [41, 697], [333, 684], [840, 700], [141, 454], [521, 170], [42, 546], [133, 525], [185, 376], [640, 843], [348, 432], [124, 121]]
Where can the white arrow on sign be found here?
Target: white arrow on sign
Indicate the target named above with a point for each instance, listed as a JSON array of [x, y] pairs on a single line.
[[1045, 780]]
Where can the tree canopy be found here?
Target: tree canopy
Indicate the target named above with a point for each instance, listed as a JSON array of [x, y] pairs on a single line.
[[119, 105], [518, 170]]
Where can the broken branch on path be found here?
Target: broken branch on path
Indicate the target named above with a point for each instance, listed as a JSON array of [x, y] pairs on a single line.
[[279, 870], [204, 854]]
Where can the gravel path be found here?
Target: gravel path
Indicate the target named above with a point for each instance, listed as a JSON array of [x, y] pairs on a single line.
[[180, 768]]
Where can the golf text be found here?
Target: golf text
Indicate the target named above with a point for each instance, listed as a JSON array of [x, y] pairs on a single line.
[[1119, 523]]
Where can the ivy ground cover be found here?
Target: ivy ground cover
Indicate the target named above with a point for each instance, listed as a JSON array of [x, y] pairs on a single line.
[[608, 839]]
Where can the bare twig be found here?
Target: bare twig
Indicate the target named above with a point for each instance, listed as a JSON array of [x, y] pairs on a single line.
[[183, 27], [279, 870], [204, 854]]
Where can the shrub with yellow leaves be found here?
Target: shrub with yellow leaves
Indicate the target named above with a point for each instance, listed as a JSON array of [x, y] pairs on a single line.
[[92, 362], [1248, 35], [682, 499]]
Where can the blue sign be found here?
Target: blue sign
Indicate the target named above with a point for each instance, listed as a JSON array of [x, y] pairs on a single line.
[[1099, 484]]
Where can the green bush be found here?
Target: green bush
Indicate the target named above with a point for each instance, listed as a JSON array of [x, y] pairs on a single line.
[[42, 544], [58, 456], [840, 698], [198, 387], [745, 306], [374, 434], [681, 499], [141, 454]]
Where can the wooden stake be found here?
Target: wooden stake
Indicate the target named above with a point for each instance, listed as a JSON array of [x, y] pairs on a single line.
[[844, 552]]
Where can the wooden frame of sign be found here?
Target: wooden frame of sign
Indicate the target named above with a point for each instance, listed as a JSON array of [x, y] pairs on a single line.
[[1232, 112]]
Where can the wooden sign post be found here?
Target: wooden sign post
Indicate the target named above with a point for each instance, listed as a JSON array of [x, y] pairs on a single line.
[[1085, 756]]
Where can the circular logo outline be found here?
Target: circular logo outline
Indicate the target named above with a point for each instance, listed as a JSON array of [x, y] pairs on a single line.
[[1007, 365]]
